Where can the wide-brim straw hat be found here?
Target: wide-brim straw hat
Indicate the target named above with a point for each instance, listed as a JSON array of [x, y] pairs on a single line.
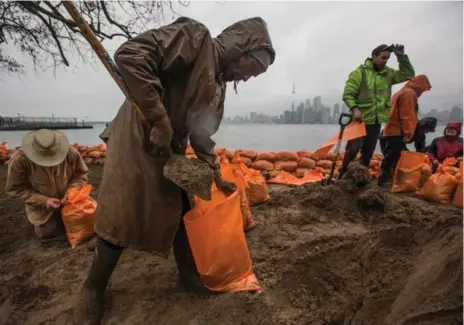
[[45, 147]]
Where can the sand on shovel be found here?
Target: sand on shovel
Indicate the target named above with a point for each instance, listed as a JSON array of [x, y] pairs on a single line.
[[192, 175]]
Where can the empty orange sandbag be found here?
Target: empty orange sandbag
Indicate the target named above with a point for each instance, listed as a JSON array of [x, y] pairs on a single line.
[[268, 156], [250, 154], [326, 164], [263, 165], [377, 156], [308, 163], [305, 153], [450, 170], [285, 178], [287, 156], [352, 131], [301, 172], [231, 173], [408, 172], [215, 233], [288, 166], [79, 214], [440, 187]]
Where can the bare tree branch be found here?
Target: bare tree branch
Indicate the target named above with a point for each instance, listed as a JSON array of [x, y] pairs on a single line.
[[43, 31]]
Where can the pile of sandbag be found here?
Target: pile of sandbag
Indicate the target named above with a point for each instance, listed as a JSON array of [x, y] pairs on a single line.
[[296, 163], [93, 155], [414, 174]]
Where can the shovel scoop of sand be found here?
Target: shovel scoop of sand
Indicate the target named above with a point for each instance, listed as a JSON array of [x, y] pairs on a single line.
[[192, 175]]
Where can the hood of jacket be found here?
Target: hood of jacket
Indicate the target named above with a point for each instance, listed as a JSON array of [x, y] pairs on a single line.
[[243, 37], [419, 82], [455, 125]]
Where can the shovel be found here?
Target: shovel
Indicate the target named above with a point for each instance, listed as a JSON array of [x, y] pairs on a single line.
[[192, 175], [343, 121]]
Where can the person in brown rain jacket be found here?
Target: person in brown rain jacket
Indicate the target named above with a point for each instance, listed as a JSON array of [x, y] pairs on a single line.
[[39, 174], [402, 123], [177, 75]]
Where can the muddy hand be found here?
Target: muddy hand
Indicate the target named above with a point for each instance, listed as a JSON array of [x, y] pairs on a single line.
[[161, 133], [225, 186]]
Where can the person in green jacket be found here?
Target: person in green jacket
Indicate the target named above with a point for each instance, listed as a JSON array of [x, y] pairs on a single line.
[[368, 95]]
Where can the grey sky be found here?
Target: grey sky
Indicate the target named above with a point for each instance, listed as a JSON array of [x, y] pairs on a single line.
[[318, 43]]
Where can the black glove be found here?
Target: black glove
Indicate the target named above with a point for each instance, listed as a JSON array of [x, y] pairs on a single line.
[[223, 185]]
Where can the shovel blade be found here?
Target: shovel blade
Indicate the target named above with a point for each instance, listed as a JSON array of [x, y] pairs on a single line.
[[192, 175]]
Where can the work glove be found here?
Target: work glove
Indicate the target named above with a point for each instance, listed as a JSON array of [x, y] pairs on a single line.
[[223, 185], [398, 49], [161, 133]]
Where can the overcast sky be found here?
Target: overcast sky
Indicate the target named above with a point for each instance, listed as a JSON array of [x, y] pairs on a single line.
[[317, 43]]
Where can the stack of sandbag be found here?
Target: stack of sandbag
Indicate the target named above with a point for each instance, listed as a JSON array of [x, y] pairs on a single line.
[[93, 155]]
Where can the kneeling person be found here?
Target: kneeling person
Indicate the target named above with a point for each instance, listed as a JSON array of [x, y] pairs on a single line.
[[40, 174]]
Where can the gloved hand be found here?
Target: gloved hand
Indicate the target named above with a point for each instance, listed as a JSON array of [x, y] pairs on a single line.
[[398, 49], [223, 185], [357, 116], [161, 133]]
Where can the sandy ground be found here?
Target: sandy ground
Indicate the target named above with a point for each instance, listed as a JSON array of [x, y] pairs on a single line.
[[336, 255]]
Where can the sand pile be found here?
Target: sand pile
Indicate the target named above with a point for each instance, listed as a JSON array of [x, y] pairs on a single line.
[[342, 254]]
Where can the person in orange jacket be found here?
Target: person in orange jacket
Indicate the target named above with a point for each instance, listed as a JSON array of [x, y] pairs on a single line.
[[402, 123]]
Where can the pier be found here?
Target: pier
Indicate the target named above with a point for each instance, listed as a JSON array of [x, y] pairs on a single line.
[[24, 123]]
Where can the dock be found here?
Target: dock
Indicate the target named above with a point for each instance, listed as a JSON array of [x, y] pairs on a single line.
[[24, 123]]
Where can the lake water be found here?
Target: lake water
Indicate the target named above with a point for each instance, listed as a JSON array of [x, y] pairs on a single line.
[[259, 137]]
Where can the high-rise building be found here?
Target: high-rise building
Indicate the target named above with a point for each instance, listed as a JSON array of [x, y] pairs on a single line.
[[317, 103], [299, 114], [308, 103]]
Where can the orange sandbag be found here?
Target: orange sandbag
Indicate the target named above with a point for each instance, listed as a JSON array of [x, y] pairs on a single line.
[[274, 173], [301, 172], [408, 172], [219, 151], [426, 172], [450, 161], [305, 153], [250, 154], [88, 161], [268, 156], [352, 131], [239, 159], [228, 153], [326, 164], [285, 178], [96, 154], [79, 214], [288, 166], [308, 163], [374, 163], [457, 198], [231, 173], [256, 189], [287, 156], [440, 187], [215, 233], [263, 165]]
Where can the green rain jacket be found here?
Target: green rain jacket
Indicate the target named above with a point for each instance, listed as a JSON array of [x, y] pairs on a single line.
[[370, 90]]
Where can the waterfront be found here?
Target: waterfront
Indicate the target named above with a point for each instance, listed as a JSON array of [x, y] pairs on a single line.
[[259, 137]]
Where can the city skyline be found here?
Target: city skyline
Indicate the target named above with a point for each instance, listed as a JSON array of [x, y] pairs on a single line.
[[318, 113]]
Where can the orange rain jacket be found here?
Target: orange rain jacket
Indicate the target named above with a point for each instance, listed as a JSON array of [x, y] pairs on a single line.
[[403, 115]]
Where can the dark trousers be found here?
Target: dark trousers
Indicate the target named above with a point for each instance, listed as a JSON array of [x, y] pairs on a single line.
[[392, 151], [181, 246], [365, 144], [53, 228]]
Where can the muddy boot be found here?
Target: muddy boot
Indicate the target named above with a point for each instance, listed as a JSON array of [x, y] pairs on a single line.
[[90, 303]]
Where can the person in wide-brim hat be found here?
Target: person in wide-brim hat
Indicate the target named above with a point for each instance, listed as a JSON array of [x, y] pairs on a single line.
[[40, 174], [46, 147]]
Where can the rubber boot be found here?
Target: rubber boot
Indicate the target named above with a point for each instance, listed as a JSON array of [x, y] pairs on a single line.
[[90, 304], [384, 178]]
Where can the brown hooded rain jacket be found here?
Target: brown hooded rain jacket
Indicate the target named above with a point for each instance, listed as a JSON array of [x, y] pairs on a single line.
[[179, 65]]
